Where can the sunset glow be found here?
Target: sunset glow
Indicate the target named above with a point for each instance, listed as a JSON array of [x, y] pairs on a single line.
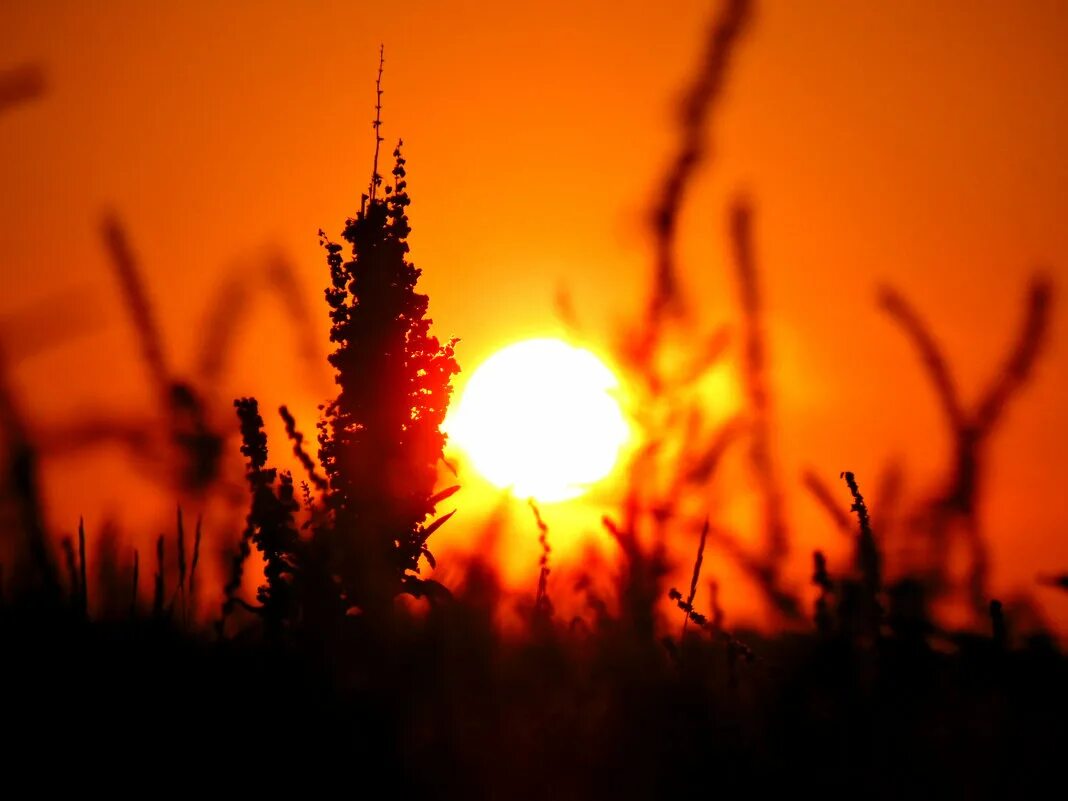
[[536, 399], [541, 418]]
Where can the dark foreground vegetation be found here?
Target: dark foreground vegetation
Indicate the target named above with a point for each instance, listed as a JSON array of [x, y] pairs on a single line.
[[446, 707], [350, 667]]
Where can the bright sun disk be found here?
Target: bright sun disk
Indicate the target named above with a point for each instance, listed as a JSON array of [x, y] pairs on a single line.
[[541, 418]]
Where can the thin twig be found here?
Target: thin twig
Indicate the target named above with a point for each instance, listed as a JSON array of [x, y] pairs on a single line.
[[298, 449], [696, 573], [376, 179]]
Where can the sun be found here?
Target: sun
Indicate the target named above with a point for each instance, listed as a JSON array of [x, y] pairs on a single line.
[[542, 419]]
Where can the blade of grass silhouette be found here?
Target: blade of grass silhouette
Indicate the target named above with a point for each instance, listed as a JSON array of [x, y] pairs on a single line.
[[821, 578], [698, 105], [23, 478], [136, 578], [1018, 367], [179, 590], [137, 303], [71, 562], [930, 353], [158, 594], [305, 460], [232, 303], [758, 391], [696, 574], [229, 306], [193, 566], [83, 582], [282, 280]]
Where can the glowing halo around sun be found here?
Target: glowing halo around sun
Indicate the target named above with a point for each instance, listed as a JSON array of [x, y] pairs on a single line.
[[541, 418]]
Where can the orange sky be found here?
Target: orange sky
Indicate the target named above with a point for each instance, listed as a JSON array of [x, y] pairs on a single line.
[[918, 143]]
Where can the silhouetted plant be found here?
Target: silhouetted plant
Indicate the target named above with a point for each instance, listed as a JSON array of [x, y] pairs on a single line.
[[681, 454], [193, 564], [822, 579], [695, 114], [755, 373], [269, 526], [183, 436], [543, 606], [71, 563], [639, 580], [867, 559], [998, 627], [159, 593], [21, 474], [197, 446], [736, 649], [185, 569], [715, 624], [380, 439], [19, 85], [952, 510], [698, 561]]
